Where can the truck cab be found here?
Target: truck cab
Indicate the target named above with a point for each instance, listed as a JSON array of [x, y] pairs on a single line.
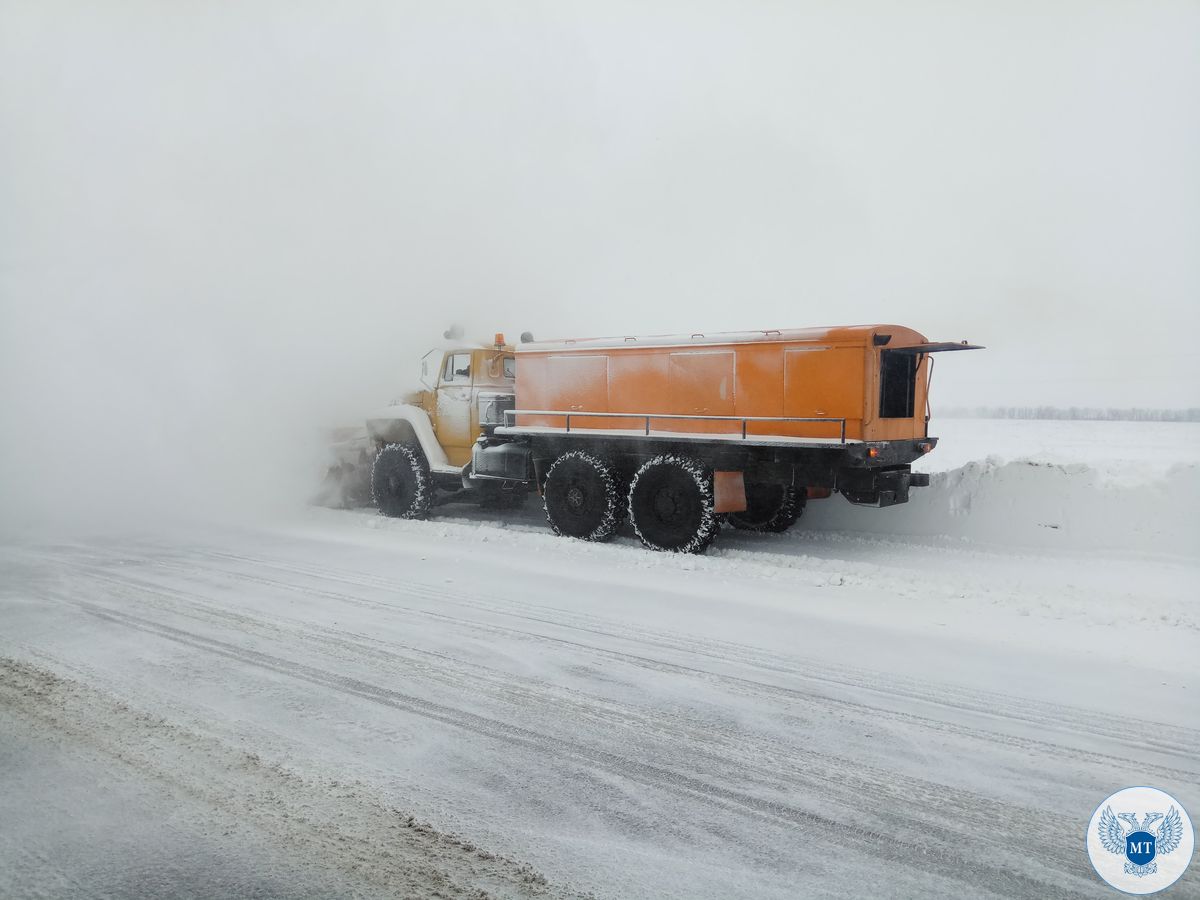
[[459, 384]]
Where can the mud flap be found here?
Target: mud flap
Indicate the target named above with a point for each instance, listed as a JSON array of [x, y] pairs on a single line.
[[729, 491]]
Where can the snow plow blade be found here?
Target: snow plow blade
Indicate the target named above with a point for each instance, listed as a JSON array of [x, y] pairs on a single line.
[[347, 481]]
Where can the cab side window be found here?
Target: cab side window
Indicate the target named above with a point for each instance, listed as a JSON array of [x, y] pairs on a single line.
[[510, 368], [457, 369]]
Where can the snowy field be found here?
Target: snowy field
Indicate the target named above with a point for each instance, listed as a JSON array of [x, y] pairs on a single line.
[[1121, 451], [896, 702]]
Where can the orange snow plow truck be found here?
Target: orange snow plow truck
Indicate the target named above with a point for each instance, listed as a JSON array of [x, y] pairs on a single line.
[[674, 434]]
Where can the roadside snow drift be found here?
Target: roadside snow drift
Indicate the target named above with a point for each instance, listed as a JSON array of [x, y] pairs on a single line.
[[1027, 503]]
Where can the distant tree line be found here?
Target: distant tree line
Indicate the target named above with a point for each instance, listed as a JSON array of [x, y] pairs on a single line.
[[1109, 414]]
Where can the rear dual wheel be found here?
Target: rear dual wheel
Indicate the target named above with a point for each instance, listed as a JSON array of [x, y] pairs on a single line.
[[669, 501], [769, 507], [671, 504], [581, 496]]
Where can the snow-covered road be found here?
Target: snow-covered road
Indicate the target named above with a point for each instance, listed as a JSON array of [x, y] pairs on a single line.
[[822, 713]]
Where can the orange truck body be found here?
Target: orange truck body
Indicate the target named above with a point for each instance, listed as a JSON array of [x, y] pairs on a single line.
[[749, 380]]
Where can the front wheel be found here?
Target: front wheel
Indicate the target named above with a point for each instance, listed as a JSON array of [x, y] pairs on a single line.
[[401, 485], [671, 504]]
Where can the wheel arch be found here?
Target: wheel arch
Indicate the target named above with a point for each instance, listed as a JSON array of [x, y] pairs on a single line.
[[404, 424]]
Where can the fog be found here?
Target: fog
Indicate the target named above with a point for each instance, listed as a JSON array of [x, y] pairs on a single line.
[[225, 226]]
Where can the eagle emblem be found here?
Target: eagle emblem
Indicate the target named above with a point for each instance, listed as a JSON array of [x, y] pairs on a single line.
[[1140, 843]]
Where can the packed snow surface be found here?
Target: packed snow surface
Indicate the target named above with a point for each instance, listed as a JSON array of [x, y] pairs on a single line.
[[895, 702]]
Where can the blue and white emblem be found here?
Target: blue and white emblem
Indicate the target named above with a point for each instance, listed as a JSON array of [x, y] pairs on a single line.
[[1140, 843], [1140, 840]]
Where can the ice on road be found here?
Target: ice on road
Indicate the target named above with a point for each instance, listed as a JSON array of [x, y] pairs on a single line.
[[472, 707]]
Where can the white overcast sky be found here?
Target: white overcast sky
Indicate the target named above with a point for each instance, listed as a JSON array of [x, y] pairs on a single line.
[[206, 204]]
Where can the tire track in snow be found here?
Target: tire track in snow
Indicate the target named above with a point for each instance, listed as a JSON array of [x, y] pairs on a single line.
[[838, 779], [1136, 740], [1140, 733], [1134, 732], [931, 857], [784, 766], [978, 813]]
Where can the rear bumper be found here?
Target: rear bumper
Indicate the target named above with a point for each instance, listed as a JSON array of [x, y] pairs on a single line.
[[879, 487]]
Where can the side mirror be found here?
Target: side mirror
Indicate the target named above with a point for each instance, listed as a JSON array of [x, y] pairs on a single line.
[[425, 370]]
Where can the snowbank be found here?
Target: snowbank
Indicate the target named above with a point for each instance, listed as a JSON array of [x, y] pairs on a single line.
[[1121, 451], [1029, 503]]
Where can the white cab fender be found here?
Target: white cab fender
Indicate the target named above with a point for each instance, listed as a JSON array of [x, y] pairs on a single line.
[[405, 423]]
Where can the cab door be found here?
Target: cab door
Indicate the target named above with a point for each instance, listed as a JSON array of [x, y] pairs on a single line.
[[453, 421]]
